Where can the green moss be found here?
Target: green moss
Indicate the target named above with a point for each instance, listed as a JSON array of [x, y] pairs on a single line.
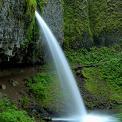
[[9, 113], [32, 33], [30, 21], [31, 5], [76, 23], [88, 22], [105, 20], [41, 4], [1, 2]]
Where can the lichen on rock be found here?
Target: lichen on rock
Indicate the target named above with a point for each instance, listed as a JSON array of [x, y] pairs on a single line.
[[12, 25], [53, 15]]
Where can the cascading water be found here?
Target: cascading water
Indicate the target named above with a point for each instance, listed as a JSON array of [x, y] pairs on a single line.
[[63, 69], [76, 109]]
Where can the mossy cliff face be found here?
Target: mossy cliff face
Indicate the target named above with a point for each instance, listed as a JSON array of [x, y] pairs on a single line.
[[77, 30], [86, 23], [16, 20], [105, 17], [92, 22], [19, 34]]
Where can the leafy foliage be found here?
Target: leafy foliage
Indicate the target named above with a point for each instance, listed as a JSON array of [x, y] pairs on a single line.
[[94, 55], [38, 85], [105, 15], [103, 80], [46, 89], [12, 115], [9, 113], [44, 85]]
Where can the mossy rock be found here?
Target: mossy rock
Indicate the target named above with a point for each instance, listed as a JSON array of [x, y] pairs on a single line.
[[92, 22], [77, 31], [105, 20], [30, 19]]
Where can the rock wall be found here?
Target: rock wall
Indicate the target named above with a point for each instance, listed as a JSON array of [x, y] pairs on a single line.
[[75, 23], [19, 34], [77, 30], [92, 22], [16, 18], [12, 31], [105, 17], [53, 15]]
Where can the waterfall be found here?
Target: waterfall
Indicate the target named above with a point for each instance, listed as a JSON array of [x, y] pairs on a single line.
[[75, 104]]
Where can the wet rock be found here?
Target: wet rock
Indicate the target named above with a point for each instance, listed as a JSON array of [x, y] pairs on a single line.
[[38, 111], [47, 119], [13, 83], [3, 86]]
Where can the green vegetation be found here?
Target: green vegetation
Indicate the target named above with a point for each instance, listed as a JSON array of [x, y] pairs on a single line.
[[1, 2], [105, 15], [38, 85], [91, 22], [103, 78], [30, 18], [45, 87], [24, 101], [41, 4], [119, 116], [32, 33], [76, 24], [9, 113], [86, 23], [94, 55]]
